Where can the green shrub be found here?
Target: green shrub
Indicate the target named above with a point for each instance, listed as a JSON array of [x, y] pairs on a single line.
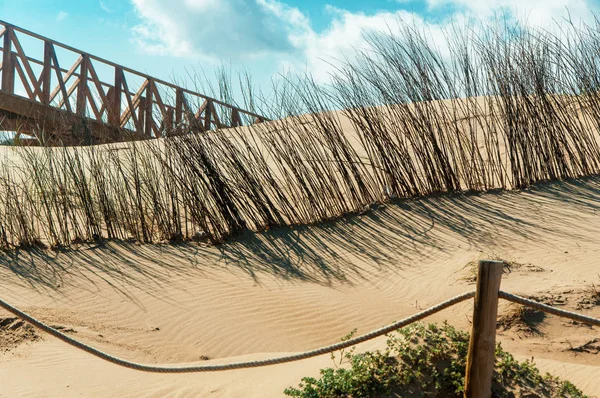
[[426, 361]]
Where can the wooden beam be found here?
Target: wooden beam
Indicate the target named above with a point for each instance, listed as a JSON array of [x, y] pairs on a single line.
[[82, 87], [30, 92], [41, 63], [158, 100], [106, 105], [70, 91], [132, 104], [481, 356], [141, 115], [236, 120], [215, 116], [148, 109], [95, 110], [167, 124], [63, 79], [190, 118], [25, 65], [114, 110], [96, 81], [30, 113], [45, 78], [207, 115], [165, 111], [19, 125], [201, 109], [8, 69], [179, 100]]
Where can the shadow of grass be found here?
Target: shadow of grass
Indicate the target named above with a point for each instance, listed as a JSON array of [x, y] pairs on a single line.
[[384, 238]]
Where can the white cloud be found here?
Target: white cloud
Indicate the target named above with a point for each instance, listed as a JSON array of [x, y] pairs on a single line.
[[329, 49], [344, 35], [62, 15], [245, 30], [217, 29], [534, 12]]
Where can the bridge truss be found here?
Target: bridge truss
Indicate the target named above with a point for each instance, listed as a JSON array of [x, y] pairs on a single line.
[[49, 104]]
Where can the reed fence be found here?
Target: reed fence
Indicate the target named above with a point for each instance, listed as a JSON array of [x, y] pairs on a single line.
[[503, 107]]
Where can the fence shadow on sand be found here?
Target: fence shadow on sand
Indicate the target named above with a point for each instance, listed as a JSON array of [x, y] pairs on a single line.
[[381, 239]]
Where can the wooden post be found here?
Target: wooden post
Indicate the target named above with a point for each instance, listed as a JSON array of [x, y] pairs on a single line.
[[8, 65], [236, 120], [208, 115], [114, 96], [169, 127], [81, 105], [148, 109], [179, 98], [139, 127], [46, 88], [82, 87], [482, 345]]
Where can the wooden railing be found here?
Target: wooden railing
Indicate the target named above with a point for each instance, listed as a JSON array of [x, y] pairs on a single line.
[[132, 101]]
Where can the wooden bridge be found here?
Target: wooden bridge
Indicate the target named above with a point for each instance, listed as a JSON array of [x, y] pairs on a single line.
[[48, 104]]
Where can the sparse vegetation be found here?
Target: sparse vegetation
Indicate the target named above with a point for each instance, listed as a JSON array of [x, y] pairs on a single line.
[[591, 297], [427, 361], [13, 332], [503, 107], [522, 319]]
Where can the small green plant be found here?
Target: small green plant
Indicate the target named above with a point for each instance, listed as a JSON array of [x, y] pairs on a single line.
[[344, 355], [427, 361]]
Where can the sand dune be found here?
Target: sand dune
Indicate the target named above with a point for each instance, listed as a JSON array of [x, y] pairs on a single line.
[[299, 288], [294, 288]]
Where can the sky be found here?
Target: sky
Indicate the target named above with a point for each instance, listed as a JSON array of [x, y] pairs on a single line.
[[170, 39]]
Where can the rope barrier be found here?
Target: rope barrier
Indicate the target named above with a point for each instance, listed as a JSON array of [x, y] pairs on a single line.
[[294, 357], [237, 365], [549, 309]]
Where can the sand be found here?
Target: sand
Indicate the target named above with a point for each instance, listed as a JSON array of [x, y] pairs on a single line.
[[295, 289]]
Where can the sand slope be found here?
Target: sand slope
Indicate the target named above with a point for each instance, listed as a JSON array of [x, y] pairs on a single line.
[[295, 289]]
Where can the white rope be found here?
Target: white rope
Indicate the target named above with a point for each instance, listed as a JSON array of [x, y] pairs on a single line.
[[549, 309], [295, 357], [237, 365]]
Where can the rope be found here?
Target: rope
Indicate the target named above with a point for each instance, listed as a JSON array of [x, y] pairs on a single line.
[[547, 308], [237, 365]]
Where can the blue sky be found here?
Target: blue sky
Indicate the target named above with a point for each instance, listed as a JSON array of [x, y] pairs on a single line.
[[168, 38]]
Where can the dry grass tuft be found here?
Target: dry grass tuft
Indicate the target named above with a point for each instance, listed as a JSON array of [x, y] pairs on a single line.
[[14, 332], [520, 319]]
